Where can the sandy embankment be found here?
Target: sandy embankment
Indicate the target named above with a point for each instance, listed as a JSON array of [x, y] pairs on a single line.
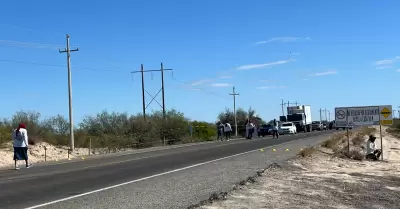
[[324, 181]]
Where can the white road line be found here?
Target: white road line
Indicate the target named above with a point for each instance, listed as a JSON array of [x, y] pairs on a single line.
[[148, 177]]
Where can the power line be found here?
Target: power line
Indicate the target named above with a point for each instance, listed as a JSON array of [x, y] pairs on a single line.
[[59, 66], [28, 44]]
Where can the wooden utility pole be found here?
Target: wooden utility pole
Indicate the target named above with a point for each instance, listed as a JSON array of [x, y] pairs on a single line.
[[234, 94], [71, 121], [162, 90]]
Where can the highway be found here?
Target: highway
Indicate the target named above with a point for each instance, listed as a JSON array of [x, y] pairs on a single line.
[[169, 178]]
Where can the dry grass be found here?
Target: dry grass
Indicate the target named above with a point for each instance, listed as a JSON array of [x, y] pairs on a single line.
[[358, 140], [307, 152], [333, 141]]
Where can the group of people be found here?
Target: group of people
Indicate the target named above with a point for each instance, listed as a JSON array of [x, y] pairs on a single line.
[[224, 130]]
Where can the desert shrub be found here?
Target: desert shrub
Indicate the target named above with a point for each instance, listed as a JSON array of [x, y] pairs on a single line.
[[334, 141], [307, 152], [358, 140], [352, 154], [111, 129]]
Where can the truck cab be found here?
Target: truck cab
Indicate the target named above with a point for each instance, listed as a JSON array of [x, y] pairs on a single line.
[[301, 117]]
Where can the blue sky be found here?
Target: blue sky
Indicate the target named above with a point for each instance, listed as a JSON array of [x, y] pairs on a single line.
[[321, 53]]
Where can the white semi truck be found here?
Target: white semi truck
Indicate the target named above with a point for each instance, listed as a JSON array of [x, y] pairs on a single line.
[[301, 116]]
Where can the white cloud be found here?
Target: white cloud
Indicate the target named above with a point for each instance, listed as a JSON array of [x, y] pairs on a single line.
[[383, 67], [306, 79], [384, 62], [398, 57], [264, 65], [324, 73], [225, 77], [221, 84], [199, 82], [270, 87], [283, 39], [398, 70]]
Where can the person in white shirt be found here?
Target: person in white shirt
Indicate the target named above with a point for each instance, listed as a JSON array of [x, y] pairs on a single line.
[[227, 131], [20, 138], [275, 129], [372, 152], [249, 129]]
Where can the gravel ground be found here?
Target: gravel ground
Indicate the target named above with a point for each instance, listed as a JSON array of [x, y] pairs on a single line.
[[323, 181], [188, 187]]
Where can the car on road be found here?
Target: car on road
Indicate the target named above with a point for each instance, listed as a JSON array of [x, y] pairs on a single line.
[[316, 125], [340, 127], [264, 130], [287, 128]]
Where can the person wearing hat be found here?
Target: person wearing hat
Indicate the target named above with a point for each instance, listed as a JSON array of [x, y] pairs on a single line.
[[372, 152]]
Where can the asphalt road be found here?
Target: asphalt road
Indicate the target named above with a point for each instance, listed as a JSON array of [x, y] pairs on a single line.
[[134, 174]]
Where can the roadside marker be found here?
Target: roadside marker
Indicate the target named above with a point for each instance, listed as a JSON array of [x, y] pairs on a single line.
[[56, 160], [262, 150], [273, 150], [83, 158], [287, 150], [69, 158]]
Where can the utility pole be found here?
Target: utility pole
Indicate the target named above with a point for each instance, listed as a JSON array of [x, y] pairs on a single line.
[[320, 114], [162, 90], [234, 94], [71, 121], [283, 111], [143, 96], [326, 117], [329, 114]]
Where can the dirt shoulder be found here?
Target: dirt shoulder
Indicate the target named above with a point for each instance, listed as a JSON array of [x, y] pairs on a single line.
[[323, 180]]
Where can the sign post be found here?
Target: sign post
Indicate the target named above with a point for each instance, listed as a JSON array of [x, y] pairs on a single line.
[[364, 116]]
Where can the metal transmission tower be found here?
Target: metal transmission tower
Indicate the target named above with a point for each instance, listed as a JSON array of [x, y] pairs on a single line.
[[71, 121], [234, 94], [142, 71]]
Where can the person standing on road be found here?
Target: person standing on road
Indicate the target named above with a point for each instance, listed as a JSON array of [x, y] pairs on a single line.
[[249, 129], [20, 138], [372, 152], [275, 129], [227, 131], [220, 130]]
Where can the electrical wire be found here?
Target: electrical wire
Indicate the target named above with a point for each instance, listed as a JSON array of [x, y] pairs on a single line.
[[28, 44], [61, 66]]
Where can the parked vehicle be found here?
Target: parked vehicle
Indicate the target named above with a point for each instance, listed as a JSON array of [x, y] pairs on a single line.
[[300, 116], [341, 126], [264, 130], [317, 126], [287, 128]]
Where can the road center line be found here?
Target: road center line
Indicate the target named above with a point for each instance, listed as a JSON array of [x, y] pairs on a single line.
[[148, 177]]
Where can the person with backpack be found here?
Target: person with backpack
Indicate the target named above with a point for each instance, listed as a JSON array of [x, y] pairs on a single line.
[[20, 143]]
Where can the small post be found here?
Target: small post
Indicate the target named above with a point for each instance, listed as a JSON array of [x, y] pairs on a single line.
[[380, 133], [68, 152], [45, 153], [90, 145], [348, 140]]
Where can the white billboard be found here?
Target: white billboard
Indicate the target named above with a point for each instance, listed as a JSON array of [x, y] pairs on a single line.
[[364, 115]]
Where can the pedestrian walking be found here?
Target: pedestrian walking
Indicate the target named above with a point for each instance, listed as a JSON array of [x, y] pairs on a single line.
[[227, 131], [220, 131], [275, 129], [20, 139]]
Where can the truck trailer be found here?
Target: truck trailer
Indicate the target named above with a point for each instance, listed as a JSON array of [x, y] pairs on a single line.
[[301, 116]]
